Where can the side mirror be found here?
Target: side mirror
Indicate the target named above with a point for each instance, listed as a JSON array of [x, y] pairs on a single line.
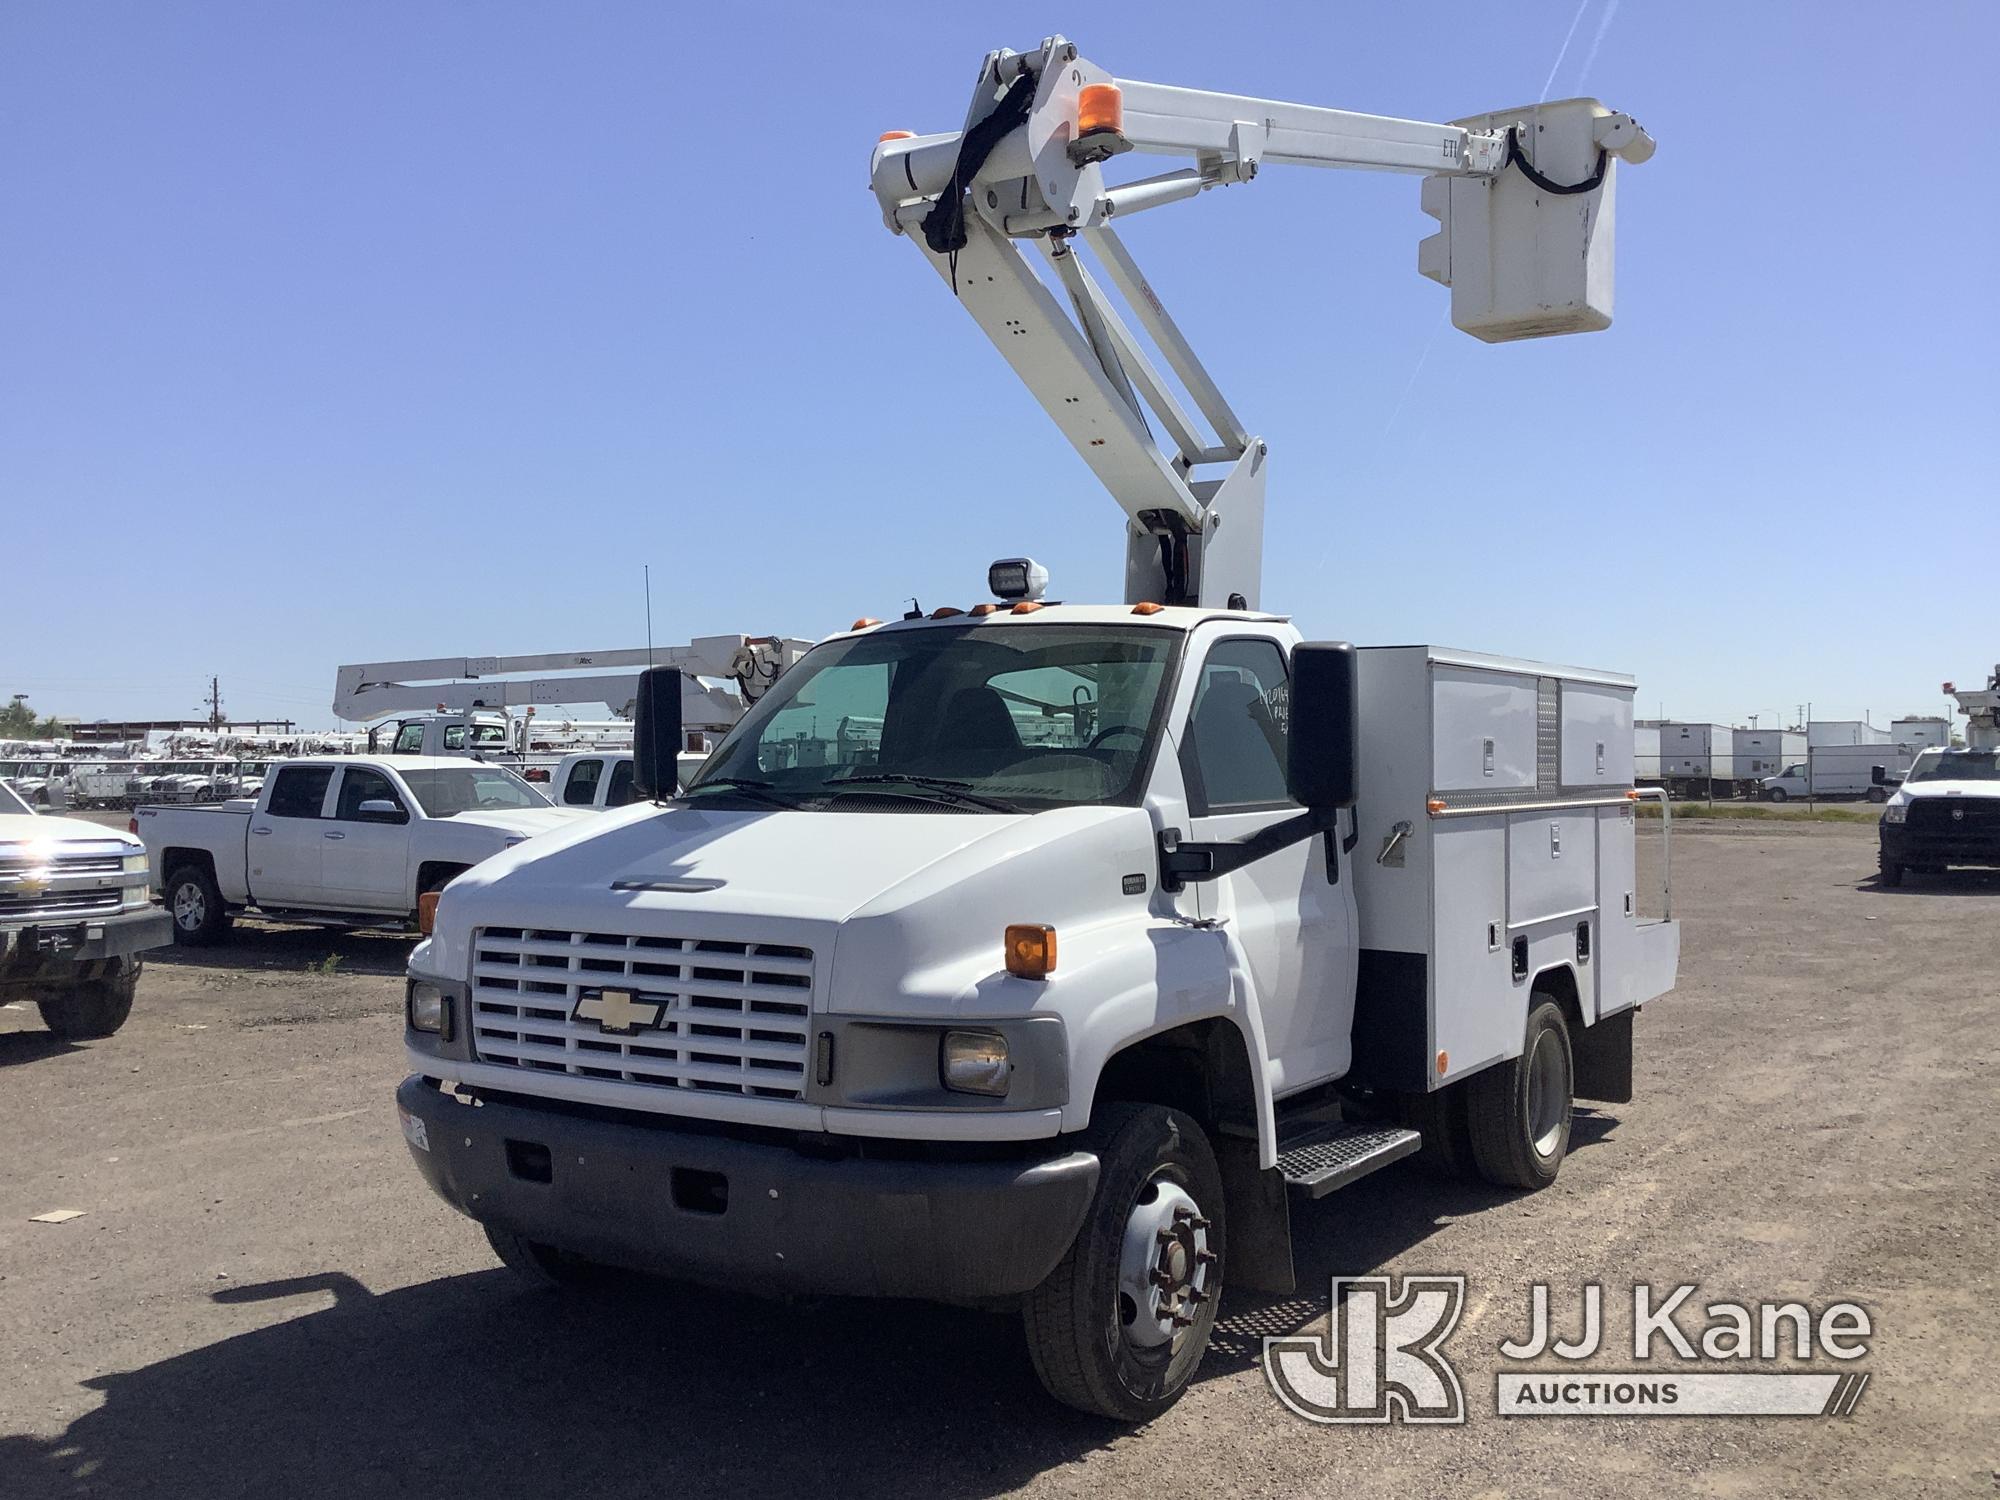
[[656, 733], [1321, 760], [381, 810], [1879, 776]]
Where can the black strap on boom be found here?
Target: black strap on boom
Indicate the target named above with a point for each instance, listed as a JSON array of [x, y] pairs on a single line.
[[944, 225], [1516, 157]]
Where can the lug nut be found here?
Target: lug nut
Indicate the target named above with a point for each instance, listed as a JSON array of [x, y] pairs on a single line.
[[1205, 1257]]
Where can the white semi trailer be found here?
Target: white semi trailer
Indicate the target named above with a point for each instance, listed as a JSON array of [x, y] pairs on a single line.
[[1122, 928]]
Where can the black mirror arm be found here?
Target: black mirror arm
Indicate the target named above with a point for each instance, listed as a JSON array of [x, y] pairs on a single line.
[[1181, 863]]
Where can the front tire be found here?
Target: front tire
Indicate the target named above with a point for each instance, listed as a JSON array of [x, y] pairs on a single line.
[[93, 1009], [1776, 794], [200, 918], [1121, 1324], [1520, 1109], [1889, 872], [1878, 794]]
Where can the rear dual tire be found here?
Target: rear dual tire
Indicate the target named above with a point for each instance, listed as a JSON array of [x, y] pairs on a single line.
[[1520, 1111]]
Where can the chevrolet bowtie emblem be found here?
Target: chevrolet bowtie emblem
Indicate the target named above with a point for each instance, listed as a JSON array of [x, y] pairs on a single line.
[[31, 882], [619, 1012]]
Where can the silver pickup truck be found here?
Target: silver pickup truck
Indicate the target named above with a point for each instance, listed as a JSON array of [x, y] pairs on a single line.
[[75, 914]]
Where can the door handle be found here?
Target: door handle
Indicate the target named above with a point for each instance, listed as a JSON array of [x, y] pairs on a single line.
[[333, 835], [260, 830]]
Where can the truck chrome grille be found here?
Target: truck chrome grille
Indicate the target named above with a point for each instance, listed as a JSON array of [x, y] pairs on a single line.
[[67, 884], [719, 1017]]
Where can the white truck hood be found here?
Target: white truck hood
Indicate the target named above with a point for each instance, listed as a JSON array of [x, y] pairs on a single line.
[[1926, 790], [919, 900], [29, 829]]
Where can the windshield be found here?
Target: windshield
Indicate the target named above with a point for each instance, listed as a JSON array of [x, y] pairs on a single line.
[[10, 803], [446, 793], [1956, 765], [995, 718]]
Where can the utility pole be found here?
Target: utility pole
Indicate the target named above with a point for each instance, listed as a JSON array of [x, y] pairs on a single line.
[[214, 703]]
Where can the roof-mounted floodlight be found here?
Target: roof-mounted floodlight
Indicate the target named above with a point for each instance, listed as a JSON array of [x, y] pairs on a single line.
[[1017, 578]]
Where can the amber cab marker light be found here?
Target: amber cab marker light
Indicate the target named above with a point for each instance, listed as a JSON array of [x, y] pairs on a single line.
[[427, 911], [864, 622], [946, 612], [1436, 804], [1444, 1062], [896, 135], [1026, 607], [1147, 608], [1031, 950], [981, 611]]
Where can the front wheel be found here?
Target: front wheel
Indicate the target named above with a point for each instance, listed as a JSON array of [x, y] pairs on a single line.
[[1878, 794], [1520, 1109], [540, 1266], [93, 1009], [1120, 1325], [1776, 794], [1889, 872]]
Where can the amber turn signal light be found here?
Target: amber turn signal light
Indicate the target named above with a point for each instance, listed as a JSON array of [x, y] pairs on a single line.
[[427, 911], [1031, 950]]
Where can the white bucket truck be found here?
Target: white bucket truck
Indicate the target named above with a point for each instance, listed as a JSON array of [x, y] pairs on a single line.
[[1123, 928]]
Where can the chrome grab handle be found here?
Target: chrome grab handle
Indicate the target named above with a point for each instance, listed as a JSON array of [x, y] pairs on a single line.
[[260, 830], [333, 835]]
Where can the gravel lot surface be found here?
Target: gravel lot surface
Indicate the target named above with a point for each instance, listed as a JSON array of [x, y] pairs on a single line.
[[261, 1298]]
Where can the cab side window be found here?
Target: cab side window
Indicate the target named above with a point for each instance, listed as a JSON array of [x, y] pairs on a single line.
[[410, 740], [580, 790], [299, 791], [361, 785], [1233, 756], [621, 784]]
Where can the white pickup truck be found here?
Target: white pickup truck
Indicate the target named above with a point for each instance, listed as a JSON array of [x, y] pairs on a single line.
[[75, 914], [352, 841]]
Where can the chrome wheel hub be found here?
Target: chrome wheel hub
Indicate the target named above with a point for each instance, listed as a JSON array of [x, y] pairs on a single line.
[[1166, 1268], [1547, 1093], [190, 907]]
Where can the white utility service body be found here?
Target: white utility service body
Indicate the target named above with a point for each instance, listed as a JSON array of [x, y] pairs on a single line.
[[1041, 953], [352, 840]]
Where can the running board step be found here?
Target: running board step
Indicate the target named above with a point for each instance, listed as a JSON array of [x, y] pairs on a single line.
[[1332, 1156]]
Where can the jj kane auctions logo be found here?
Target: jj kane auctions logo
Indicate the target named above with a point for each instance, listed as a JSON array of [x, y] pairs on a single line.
[[1383, 1358]]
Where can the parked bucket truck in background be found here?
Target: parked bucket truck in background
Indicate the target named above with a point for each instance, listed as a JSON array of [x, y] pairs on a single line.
[[1125, 926], [1947, 810]]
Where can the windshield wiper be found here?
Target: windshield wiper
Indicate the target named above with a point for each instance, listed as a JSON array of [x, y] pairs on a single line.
[[960, 791], [764, 790]]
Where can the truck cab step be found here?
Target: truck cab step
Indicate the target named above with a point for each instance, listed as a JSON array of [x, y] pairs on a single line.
[[1332, 1156]]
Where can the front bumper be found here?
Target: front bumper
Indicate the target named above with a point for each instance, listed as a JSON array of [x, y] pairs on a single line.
[[751, 1213], [1924, 846], [56, 943]]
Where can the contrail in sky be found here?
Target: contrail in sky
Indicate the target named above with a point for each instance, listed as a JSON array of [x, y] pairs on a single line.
[[1563, 51], [1603, 25]]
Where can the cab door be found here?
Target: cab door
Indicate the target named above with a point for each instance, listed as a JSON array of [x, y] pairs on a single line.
[[367, 858], [285, 843], [1291, 913]]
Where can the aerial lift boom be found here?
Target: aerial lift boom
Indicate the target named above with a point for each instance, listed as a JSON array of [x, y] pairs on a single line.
[[1981, 707], [1524, 199], [749, 664]]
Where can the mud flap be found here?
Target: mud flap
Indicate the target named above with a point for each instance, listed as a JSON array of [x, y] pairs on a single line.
[[1603, 1055], [1259, 1223]]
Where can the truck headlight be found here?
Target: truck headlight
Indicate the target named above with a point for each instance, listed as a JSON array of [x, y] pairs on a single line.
[[135, 864], [974, 1062], [1895, 812], [429, 1008]]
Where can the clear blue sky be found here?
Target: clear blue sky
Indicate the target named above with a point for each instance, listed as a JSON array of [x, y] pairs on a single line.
[[337, 332]]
